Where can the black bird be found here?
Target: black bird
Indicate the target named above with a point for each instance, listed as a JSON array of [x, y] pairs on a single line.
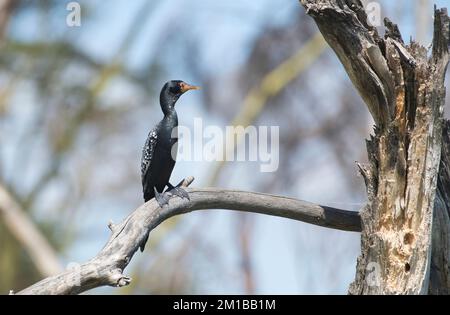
[[160, 150]]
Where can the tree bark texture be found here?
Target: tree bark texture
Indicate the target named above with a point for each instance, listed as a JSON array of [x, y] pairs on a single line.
[[405, 225], [106, 268]]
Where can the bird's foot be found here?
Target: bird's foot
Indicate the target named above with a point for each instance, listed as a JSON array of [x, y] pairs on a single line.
[[162, 199], [178, 191]]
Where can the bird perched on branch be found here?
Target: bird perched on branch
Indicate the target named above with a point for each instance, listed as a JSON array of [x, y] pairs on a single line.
[[160, 149]]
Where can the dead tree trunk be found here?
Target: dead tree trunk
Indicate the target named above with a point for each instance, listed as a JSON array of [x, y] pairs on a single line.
[[406, 228], [440, 248]]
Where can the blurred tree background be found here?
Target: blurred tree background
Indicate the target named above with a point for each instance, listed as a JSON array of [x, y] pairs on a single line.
[[76, 104]]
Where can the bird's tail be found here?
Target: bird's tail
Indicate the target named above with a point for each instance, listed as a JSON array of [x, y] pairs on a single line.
[[148, 195]]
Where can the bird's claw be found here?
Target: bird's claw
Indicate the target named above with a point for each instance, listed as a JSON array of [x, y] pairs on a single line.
[[162, 199], [178, 191]]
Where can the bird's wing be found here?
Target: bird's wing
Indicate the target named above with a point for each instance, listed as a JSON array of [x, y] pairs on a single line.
[[147, 154]]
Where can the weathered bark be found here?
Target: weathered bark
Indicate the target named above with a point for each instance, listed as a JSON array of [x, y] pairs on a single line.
[[404, 91], [106, 268], [440, 252]]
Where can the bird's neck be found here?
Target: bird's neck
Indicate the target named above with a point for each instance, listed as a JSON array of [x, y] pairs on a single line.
[[171, 117], [168, 104]]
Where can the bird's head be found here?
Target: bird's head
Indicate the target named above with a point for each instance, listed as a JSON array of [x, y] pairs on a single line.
[[178, 87], [171, 91], [175, 88]]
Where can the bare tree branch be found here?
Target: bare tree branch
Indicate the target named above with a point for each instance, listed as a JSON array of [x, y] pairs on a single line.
[[106, 268], [37, 246]]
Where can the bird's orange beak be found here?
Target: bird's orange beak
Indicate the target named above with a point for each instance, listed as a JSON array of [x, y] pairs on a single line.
[[186, 87]]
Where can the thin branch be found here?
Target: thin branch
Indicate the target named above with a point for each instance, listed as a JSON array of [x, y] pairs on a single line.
[[106, 268], [37, 246]]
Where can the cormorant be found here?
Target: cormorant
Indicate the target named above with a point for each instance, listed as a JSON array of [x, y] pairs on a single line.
[[160, 149]]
